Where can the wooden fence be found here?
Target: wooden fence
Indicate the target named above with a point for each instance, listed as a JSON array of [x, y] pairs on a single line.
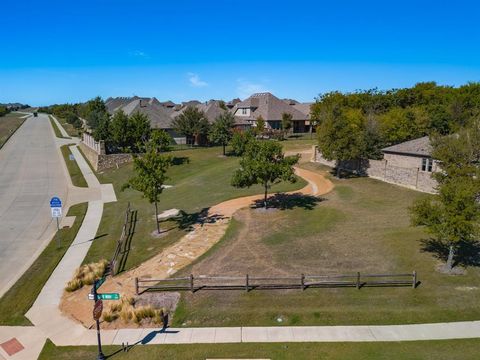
[[302, 282], [122, 248]]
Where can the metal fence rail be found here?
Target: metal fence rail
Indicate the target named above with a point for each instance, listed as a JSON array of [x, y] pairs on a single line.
[[248, 283]]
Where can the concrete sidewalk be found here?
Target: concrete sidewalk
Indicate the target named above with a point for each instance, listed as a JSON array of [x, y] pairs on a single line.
[[60, 127]]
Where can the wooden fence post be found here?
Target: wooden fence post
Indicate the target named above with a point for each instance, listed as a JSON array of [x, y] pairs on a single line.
[[414, 281], [246, 283], [191, 283], [302, 281], [136, 285], [358, 280]]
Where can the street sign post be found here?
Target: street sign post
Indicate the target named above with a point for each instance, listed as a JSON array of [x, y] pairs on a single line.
[[97, 312], [56, 208], [105, 296]]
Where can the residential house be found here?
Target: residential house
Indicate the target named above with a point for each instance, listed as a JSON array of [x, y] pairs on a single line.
[[408, 164], [271, 109]]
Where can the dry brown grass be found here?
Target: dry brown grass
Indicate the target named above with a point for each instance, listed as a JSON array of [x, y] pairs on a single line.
[[86, 275], [126, 311]]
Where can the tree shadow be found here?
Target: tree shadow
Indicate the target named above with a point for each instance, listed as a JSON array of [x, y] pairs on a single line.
[[186, 221], [180, 160], [351, 168], [283, 201], [466, 254]]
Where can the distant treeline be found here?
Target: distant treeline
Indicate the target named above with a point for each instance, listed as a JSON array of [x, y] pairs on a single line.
[[372, 119]]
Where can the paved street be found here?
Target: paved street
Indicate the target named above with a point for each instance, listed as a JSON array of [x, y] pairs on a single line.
[[30, 174]]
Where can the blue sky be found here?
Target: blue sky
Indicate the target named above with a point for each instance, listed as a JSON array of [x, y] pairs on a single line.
[[70, 51]]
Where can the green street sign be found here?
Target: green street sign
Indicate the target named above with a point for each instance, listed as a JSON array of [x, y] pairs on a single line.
[[109, 296], [106, 296], [99, 282]]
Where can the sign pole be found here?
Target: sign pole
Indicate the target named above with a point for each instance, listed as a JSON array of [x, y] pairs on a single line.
[[58, 235], [100, 355]]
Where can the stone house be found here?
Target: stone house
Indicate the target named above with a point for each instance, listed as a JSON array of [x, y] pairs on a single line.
[[408, 164]]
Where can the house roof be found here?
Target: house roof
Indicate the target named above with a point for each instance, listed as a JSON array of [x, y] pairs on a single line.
[[416, 147], [304, 108], [269, 107], [158, 115]]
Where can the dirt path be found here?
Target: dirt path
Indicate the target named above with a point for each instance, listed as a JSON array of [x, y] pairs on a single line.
[[203, 236]]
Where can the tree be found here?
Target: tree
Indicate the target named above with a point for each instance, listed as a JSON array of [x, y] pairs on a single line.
[[140, 129], [240, 141], [222, 129], [286, 122], [260, 125], [264, 163], [120, 130], [150, 176], [453, 215], [94, 111], [192, 123], [102, 129], [341, 137], [159, 141]]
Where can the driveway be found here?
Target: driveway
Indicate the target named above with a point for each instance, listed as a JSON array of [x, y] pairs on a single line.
[[30, 174]]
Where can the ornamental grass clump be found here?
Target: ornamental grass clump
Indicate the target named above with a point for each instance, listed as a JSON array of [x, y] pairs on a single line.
[[86, 275]]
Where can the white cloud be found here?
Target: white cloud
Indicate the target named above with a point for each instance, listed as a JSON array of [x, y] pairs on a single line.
[[139, 53], [195, 80], [246, 88]]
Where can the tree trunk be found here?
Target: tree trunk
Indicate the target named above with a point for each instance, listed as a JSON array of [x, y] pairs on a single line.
[[223, 149], [338, 170], [311, 130], [451, 254], [265, 198], [156, 217]]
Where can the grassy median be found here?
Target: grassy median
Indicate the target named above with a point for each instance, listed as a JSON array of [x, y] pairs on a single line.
[[21, 296], [424, 350], [73, 169], [56, 130]]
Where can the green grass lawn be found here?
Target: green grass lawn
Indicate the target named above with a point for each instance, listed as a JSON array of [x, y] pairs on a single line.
[[69, 128], [21, 296], [417, 350], [8, 125], [363, 225], [56, 130], [73, 169], [201, 179]]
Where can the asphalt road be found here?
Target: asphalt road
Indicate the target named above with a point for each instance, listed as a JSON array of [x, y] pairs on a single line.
[[30, 174]]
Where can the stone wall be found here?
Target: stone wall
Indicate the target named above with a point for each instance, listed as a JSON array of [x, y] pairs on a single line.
[[388, 170], [95, 154]]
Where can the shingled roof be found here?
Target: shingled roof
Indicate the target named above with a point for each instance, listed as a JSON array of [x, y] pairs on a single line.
[[416, 147], [269, 107], [158, 115]]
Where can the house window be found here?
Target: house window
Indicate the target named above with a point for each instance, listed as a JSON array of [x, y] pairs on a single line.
[[427, 164], [244, 111]]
